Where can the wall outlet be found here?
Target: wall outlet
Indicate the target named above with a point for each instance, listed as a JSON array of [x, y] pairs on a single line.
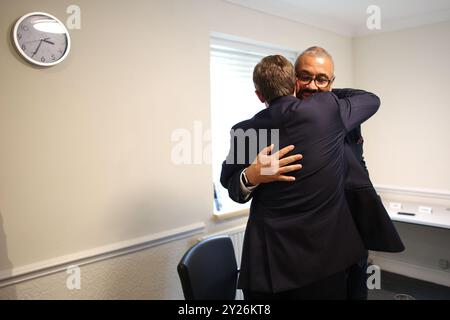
[[444, 264]]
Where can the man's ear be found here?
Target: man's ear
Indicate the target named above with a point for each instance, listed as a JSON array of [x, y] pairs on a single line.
[[332, 82], [260, 96], [297, 86]]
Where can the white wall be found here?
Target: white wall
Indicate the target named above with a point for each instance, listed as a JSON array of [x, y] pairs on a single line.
[[407, 141], [85, 146], [408, 138]]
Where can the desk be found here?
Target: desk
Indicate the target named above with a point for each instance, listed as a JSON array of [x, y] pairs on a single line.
[[440, 218]]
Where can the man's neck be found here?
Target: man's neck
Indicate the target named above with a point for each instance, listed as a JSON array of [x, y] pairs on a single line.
[[268, 104]]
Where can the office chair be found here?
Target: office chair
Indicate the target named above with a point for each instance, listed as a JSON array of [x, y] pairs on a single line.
[[208, 270]]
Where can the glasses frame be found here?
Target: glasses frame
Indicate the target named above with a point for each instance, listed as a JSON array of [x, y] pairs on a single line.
[[329, 81]]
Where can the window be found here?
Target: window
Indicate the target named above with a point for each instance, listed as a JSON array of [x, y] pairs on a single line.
[[232, 100]]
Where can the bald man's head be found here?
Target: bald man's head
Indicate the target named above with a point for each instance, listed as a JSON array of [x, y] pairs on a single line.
[[315, 52], [315, 72]]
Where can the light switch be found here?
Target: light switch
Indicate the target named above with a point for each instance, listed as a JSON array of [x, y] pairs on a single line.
[[444, 264]]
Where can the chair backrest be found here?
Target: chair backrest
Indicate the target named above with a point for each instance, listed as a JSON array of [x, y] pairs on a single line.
[[208, 270]]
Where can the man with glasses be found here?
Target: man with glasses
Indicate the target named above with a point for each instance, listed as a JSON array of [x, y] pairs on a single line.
[[315, 73]]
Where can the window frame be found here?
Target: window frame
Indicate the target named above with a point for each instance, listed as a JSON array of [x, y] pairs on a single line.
[[220, 43]]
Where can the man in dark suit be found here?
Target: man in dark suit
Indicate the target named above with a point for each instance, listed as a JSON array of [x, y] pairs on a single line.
[[300, 237], [315, 73]]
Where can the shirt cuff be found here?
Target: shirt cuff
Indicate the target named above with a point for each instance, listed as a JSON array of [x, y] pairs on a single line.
[[246, 191]]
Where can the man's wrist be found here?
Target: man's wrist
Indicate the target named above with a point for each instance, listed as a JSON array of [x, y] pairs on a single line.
[[246, 191], [246, 180], [248, 175]]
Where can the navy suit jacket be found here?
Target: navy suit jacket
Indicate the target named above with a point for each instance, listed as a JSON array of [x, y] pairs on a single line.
[[301, 232]]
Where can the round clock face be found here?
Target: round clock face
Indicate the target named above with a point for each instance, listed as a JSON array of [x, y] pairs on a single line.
[[41, 39]]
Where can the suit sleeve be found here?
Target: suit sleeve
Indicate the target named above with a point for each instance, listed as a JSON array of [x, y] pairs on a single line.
[[230, 177], [356, 106], [231, 180]]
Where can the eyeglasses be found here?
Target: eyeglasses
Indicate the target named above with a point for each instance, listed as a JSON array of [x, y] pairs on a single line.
[[321, 81]]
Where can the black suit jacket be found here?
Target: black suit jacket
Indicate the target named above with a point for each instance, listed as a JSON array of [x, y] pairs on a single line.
[[372, 220], [301, 232]]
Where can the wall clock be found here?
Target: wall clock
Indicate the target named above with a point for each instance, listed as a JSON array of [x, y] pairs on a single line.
[[41, 39]]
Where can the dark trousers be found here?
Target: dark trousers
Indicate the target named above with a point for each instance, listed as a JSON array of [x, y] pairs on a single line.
[[357, 281], [333, 287]]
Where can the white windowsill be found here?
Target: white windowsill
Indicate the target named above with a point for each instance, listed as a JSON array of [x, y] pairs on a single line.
[[231, 214]]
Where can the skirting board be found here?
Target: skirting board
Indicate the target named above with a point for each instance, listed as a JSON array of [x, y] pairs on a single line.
[[411, 270], [415, 192], [60, 264]]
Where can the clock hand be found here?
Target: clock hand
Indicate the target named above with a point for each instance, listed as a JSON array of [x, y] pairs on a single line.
[[31, 41], [37, 49], [45, 40], [36, 40]]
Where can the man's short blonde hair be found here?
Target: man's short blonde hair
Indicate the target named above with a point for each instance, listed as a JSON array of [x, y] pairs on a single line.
[[274, 77]]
